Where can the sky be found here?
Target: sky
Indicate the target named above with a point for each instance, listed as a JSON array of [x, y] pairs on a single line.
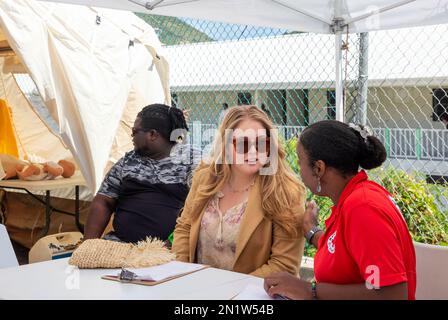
[[224, 31]]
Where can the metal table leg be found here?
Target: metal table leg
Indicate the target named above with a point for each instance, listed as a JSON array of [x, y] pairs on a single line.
[[77, 213], [49, 208], [47, 213]]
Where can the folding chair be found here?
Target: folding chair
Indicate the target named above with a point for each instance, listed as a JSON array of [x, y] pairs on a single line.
[[432, 271], [7, 255]]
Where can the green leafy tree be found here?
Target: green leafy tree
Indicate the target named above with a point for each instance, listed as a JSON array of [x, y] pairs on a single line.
[[174, 31]]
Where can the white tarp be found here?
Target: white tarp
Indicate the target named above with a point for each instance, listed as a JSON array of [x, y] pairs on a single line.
[[94, 69], [302, 15]]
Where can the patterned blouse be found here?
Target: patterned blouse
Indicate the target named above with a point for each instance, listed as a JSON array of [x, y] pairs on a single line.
[[218, 234]]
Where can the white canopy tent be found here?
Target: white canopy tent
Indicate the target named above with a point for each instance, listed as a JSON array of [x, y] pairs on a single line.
[[94, 70], [319, 16]]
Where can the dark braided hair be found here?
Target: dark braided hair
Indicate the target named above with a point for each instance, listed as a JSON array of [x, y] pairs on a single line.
[[341, 147], [164, 120]]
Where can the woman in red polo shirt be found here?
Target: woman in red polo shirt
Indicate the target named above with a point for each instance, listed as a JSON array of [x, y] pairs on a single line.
[[366, 251]]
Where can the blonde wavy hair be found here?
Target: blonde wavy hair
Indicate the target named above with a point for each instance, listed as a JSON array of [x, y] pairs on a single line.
[[279, 190]]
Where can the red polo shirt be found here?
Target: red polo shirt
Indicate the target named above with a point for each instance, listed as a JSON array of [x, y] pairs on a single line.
[[366, 240]]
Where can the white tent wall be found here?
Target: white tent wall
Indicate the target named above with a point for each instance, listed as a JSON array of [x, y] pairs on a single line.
[[94, 69], [31, 131]]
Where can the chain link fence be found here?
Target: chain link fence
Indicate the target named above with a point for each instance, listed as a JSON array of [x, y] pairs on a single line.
[[395, 81]]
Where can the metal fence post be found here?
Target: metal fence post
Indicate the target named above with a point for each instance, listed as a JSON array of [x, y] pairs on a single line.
[[418, 143], [387, 141], [197, 134]]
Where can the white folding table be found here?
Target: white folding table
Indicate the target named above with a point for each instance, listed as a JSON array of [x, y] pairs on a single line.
[[56, 279], [49, 185]]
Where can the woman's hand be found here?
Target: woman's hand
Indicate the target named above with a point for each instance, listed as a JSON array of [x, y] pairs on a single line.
[[311, 217], [186, 113], [287, 285]]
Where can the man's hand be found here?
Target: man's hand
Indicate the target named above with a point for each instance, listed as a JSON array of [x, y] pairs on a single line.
[[287, 285], [100, 212]]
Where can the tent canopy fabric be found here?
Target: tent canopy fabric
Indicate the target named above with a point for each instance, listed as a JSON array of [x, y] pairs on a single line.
[[318, 16], [94, 69]]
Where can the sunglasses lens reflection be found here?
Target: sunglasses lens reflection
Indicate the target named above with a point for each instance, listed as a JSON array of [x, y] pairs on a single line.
[[243, 144]]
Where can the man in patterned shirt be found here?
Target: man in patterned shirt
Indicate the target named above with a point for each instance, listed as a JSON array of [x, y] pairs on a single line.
[[148, 186]]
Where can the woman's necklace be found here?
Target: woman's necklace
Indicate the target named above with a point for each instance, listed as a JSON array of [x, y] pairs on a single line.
[[233, 190]]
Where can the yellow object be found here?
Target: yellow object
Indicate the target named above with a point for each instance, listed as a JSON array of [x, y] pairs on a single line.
[[55, 246], [8, 142]]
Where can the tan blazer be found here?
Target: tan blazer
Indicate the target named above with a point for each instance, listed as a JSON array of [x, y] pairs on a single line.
[[262, 246]]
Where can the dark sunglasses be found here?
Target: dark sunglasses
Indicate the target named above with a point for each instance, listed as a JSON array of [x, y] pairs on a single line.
[[242, 145], [137, 131]]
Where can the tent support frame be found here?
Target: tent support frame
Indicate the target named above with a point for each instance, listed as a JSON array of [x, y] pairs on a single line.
[[337, 27]]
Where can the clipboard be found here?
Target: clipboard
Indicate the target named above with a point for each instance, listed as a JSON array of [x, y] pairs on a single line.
[[128, 279]]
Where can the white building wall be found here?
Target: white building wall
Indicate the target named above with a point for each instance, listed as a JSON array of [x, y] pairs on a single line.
[[401, 107], [391, 107]]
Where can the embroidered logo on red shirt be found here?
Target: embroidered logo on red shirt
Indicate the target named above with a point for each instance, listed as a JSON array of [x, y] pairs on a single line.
[[330, 243]]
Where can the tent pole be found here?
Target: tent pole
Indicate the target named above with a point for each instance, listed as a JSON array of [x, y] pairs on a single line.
[[339, 80], [362, 78]]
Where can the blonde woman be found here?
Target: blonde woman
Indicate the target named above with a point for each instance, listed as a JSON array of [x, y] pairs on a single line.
[[245, 206]]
